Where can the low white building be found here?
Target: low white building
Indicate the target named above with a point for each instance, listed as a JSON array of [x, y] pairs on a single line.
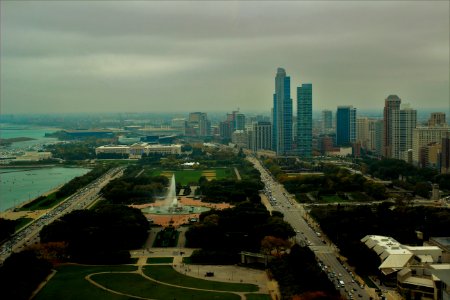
[[138, 149]]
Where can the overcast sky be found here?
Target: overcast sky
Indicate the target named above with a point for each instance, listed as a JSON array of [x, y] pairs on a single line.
[[147, 56]]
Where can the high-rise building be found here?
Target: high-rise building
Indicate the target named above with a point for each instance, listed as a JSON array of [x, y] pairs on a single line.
[[362, 131], [226, 129], [239, 122], [345, 125], [403, 122], [199, 123], [282, 114], [204, 125], [391, 103], [445, 154], [437, 119], [423, 136], [378, 136], [261, 136], [304, 120], [327, 121]]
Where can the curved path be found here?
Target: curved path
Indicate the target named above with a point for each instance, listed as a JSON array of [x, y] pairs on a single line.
[[140, 272]]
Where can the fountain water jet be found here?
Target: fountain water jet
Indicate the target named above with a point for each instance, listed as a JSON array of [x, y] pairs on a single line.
[[171, 199]]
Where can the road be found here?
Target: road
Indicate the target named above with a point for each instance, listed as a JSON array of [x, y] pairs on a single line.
[[84, 197], [309, 234]]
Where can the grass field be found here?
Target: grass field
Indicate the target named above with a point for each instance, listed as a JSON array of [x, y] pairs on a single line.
[[169, 275], [192, 176], [135, 284], [258, 297], [331, 198], [21, 222], [70, 283], [43, 202], [159, 260]]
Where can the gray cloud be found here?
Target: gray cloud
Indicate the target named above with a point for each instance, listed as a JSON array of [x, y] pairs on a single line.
[[163, 56]]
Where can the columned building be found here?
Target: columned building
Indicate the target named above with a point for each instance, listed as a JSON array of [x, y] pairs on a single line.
[[282, 114], [304, 120]]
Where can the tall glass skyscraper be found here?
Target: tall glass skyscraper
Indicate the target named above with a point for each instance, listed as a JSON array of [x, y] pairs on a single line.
[[304, 120], [345, 125], [282, 114]]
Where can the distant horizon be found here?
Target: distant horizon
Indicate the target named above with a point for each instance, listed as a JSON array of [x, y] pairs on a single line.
[[74, 56]]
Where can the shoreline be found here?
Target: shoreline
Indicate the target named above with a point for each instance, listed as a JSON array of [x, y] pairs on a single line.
[[11, 211]]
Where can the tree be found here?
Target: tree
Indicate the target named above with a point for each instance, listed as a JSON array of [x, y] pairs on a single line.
[[271, 243]]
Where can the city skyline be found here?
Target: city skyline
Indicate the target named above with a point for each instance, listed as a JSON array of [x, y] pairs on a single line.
[[186, 56]]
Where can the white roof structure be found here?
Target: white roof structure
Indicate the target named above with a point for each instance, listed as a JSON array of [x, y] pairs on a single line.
[[395, 256]]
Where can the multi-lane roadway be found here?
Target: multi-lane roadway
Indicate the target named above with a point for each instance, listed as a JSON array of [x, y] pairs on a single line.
[[80, 200], [308, 233]]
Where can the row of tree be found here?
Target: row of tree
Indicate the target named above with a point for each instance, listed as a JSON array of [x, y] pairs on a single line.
[[335, 180], [230, 190], [241, 228], [78, 182], [135, 190], [101, 236], [299, 276]]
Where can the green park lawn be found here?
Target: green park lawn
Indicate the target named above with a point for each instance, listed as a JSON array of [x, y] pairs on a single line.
[[21, 222], [331, 198], [169, 275], [159, 260], [258, 297], [135, 284], [192, 176], [42, 202], [70, 283]]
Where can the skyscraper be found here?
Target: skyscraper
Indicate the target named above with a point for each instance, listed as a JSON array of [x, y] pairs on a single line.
[[304, 120], [282, 114], [261, 136], [327, 121], [403, 123], [345, 125], [391, 103], [445, 154]]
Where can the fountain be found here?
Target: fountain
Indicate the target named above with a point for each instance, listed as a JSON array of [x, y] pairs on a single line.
[[172, 194], [171, 206]]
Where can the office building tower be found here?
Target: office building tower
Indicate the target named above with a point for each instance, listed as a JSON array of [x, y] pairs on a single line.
[[403, 122], [345, 125], [445, 154], [327, 121], [226, 128], [362, 131], [379, 133], [304, 120], [391, 103], [437, 119], [204, 125], [199, 124], [261, 136], [239, 122], [424, 136], [282, 114], [240, 138]]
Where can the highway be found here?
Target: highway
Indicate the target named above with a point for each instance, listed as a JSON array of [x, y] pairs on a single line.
[[309, 234], [84, 197]]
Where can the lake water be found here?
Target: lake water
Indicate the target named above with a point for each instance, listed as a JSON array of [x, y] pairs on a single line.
[[20, 185], [8, 131]]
